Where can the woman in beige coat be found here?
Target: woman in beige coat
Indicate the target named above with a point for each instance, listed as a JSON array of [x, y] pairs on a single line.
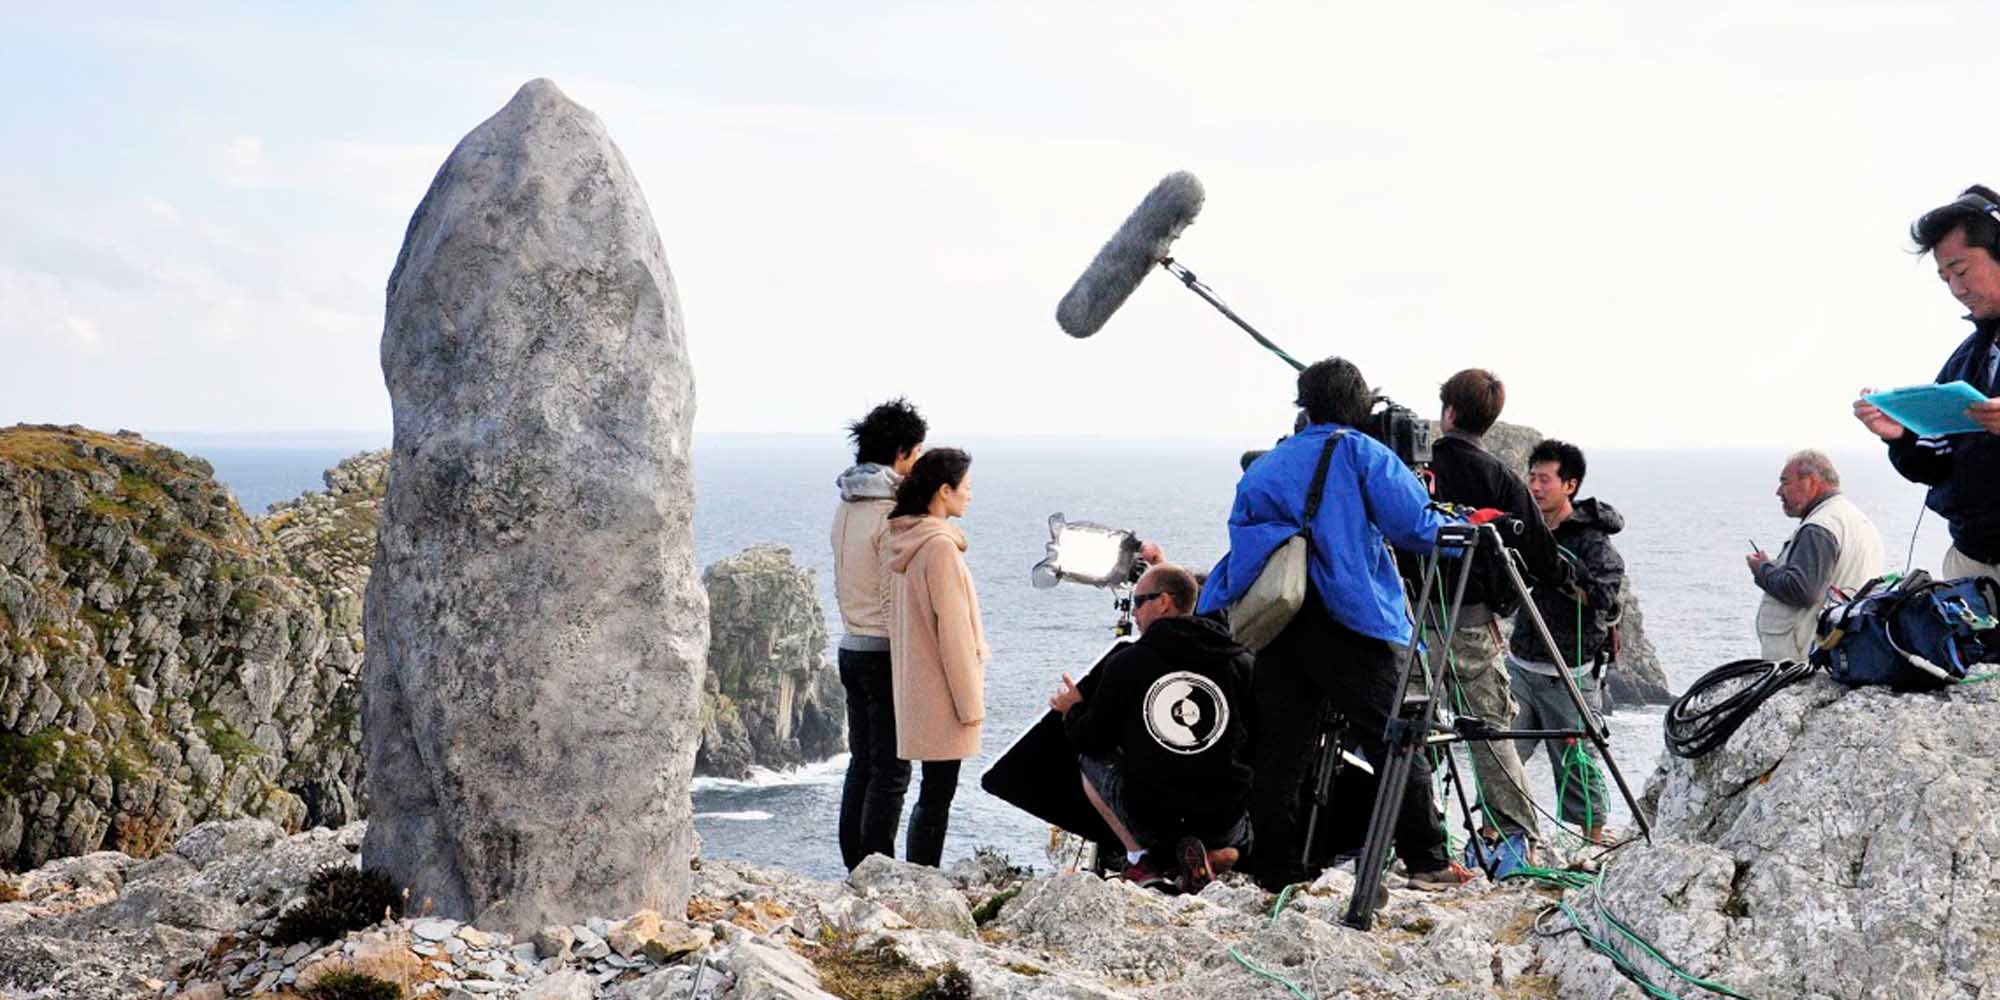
[[937, 647]]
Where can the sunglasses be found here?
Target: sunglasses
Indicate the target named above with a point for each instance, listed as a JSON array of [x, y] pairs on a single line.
[[1139, 600]]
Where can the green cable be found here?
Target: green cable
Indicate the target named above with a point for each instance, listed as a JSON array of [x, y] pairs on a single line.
[[1284, 895]]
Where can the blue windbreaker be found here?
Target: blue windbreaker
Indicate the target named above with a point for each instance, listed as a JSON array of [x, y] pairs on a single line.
[[1369, 495]]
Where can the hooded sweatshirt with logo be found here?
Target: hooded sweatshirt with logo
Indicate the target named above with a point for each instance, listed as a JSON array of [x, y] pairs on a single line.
[[937, 644], [1173, 709], [861, 583]]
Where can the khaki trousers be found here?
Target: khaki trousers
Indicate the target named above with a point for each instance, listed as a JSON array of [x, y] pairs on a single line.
[[1477, 673]]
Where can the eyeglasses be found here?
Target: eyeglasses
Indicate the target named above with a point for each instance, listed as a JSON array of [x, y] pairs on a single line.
[[1139, 600]]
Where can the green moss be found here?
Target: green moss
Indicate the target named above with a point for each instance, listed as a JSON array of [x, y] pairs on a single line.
[[346, 984], [879, 972], [227, 743], [984, 913], [247, 601], [22, 755]]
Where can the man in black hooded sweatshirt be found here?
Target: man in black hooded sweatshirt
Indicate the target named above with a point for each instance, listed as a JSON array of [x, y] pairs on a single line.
[[1163, 739], [1582, 617]]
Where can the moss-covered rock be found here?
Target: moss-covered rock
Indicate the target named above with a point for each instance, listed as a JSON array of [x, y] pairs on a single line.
[[164, 658]]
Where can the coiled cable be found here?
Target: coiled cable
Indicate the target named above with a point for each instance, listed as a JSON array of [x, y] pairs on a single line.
[[1717, 704]]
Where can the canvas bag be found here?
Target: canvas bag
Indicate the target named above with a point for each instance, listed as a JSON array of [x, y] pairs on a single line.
[[1279, 591], [1914, 635]]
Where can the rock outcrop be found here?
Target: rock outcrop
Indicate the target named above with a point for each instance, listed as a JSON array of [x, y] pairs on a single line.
[[536, 630], [196, 923], [1842, 843], [161, 662], [771, 697]]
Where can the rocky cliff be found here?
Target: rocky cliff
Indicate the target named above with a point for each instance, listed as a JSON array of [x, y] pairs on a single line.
[[1842, 844], [163, 658], [771, 697]]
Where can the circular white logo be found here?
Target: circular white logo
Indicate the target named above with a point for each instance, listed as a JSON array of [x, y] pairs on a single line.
[[1185, 712]]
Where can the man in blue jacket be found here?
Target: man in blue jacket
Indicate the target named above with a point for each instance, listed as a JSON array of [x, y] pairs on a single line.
[[1962, 470], [1348, 641]]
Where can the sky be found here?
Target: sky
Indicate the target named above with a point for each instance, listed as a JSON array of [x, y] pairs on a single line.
[[1663, 225]]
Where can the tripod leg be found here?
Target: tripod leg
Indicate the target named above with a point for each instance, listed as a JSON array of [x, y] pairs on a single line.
[[1593, 724], [1409, 724]]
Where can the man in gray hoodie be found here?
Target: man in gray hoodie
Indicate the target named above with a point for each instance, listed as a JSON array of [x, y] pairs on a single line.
[[886, 443]]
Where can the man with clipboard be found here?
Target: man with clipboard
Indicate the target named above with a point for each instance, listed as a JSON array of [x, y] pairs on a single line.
[[1962, 467]]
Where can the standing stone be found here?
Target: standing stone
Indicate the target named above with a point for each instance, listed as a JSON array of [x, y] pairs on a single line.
[[536, 631]]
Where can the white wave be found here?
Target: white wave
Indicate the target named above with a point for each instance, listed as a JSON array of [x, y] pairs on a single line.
[[819, 773], [748, 815]]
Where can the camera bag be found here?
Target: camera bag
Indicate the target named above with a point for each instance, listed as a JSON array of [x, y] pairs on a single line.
[[1913, 634], [1279, 591]]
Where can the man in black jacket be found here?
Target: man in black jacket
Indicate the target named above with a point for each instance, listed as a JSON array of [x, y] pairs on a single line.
[[1582, 617], [1962, 470], [1464, 472], [1163, 740]]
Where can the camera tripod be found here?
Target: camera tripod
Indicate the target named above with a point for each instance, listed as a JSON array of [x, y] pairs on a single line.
[[1414, 728]]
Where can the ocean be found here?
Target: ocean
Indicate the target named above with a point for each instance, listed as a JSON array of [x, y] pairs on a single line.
[[1691, 518]]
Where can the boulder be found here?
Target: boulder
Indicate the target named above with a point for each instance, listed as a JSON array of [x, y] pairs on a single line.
[[1842, 843], [919, 894], [536, 632], [771, 697]]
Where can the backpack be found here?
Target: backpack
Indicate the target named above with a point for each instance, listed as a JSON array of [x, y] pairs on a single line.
[[1912, 634]]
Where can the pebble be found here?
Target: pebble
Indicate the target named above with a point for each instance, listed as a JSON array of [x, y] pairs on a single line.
[[475, 937], [452, 946], [594, 950], [598, 926], [490, 969], [296, 952], [483, 986], [424, 948], [433, 930], [270, 979], [445, 967], [525, 953]]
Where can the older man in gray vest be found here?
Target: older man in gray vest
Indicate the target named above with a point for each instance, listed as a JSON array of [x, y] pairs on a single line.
[[1836, 546]]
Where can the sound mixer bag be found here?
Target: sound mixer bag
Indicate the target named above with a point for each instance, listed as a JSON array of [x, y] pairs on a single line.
[[1913, 634], [1279, 591]]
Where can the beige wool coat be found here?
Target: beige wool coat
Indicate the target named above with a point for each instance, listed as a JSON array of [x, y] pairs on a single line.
[[937, 645]]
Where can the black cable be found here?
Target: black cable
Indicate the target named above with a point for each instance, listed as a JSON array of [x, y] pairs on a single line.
[[1717, 704], [1911, 556]]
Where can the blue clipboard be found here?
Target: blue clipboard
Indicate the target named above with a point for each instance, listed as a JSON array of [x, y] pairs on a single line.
[[1931, 410]]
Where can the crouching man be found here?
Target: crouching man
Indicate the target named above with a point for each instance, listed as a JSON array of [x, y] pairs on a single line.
[[1163, 740]]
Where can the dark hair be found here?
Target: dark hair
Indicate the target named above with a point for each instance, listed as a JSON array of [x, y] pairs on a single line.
[[1333, 391], [935, 470], [1568, 458], [1178, 584], [1475, 396], [1971, 212], [887, 432]]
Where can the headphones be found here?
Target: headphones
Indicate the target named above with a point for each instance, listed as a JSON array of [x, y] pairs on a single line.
[[1975, 200]]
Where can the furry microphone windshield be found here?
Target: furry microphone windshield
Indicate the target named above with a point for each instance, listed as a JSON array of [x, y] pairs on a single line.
[[1133, 250]]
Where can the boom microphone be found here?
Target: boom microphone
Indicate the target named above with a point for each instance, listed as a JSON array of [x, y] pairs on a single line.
[[1134, 249]]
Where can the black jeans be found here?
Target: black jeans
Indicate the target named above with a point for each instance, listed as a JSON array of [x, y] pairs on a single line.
[[924, 844], [871, 802], [1313, 660]]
